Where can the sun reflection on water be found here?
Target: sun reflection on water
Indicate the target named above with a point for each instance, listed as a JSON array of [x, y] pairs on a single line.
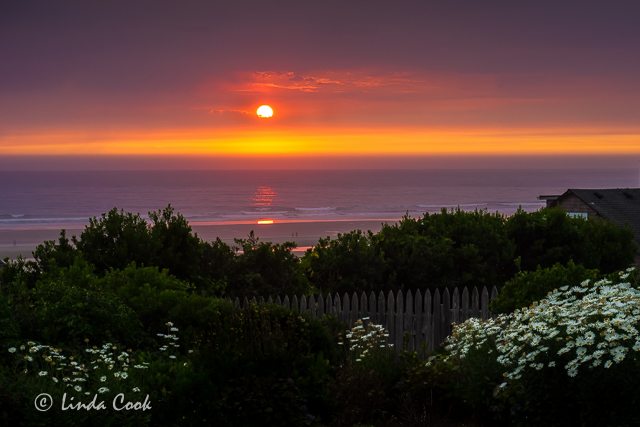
[[263, 197]]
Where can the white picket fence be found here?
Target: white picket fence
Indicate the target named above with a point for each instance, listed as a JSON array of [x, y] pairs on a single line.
[[418, 321]]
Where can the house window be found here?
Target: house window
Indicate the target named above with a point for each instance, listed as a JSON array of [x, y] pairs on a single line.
[[582, 215]]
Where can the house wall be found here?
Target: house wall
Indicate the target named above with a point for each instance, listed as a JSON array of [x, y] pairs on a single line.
[[571, 203]]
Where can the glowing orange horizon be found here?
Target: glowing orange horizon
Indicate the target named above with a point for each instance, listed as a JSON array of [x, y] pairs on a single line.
[[340, 142]]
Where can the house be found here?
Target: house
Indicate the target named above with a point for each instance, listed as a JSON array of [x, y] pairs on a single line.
[[618, 205]]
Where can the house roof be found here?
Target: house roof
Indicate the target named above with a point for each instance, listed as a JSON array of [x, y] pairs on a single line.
[[619, 205]]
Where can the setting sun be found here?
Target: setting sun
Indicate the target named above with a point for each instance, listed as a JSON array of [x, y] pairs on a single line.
[[264, 112]]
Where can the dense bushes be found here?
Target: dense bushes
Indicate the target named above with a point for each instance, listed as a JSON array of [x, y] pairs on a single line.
[[347, 263], [231, 366], [571, 359], [549, 236], [456, 248], [451, 248], [131, 285]]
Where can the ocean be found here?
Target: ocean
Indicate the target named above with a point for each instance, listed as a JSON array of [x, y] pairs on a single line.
[[47, 201]]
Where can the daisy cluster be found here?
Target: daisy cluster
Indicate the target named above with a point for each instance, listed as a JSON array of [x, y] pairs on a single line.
[[588, 326], [365, 337], [170, 340], [103, 364]]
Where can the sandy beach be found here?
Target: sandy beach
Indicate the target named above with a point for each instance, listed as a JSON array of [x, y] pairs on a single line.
[[15, 242]]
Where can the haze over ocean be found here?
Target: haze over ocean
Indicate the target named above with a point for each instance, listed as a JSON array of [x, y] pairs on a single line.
[[304, 205]]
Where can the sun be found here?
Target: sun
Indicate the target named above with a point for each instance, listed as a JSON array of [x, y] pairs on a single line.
[[264, 112]]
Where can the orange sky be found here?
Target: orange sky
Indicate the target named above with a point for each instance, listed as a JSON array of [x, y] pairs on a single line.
[[419, 80], [274, 140]]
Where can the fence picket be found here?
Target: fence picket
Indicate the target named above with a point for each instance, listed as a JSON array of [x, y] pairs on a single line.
[[465, 305], [446, 313], [391, 316], [418, 312], [364, 310], [475, 302], [409, 327], [428, 320], [346, 309], [437, 321], [455, 306], [373, 308], [484, 303], [381, 312], [399, 320]]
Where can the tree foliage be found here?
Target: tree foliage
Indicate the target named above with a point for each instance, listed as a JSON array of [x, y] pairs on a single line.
[[550, 236]]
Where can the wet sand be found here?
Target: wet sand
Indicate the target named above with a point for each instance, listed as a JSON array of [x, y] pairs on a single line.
[[14, 242]]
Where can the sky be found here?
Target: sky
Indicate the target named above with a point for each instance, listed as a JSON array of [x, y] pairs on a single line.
[[348, 79]]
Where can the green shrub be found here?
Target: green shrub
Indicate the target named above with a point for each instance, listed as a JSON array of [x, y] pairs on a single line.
[[115, 240], [148, 291], [265, 268], [66, 313], [262, 365], [347, 263], [529, 286], [550, 236], [29, 369]]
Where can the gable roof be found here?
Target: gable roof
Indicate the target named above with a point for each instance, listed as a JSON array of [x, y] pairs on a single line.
[[619, 205]]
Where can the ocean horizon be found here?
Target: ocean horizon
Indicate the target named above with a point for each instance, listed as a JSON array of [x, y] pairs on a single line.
[[300, 205]]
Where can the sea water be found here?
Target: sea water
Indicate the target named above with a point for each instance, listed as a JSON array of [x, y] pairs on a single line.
[[39, 200]]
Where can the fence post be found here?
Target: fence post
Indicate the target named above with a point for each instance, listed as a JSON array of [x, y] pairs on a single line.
[[381, 319], [337, 307], [484, 303], [312, 306], [391, 316], [475, 302], [494, 295], [353, 313], [346, 309], [437, 319], [399, 320], [419, 325], [446, 312], [320, 305], [364, 310], [409, 323], [373, 308], [427, 329], [465, 304]]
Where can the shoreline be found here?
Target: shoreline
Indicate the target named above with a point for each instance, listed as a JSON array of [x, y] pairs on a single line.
[[305, 232]]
